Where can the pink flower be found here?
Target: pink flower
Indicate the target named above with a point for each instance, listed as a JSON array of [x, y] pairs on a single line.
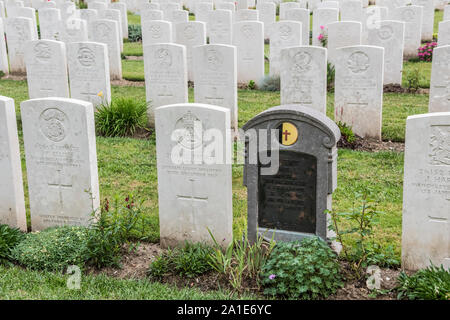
[[322, 27], [320, 37]]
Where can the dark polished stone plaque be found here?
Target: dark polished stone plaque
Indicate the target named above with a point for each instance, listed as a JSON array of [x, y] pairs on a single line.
[[287, 200]]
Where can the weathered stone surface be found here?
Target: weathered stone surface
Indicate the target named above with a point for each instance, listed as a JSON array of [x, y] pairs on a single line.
[[390, 35], [444, 33], [215, 77], [191, 34], [303, 78], [426, 192], [342, 34], [283, 34], [412, 16], [12, 199], [440, 81], [322, 17], [359, 89], [194, 196], [303, 16], [89, 72], [46, 65], [18, 31], [220, 27], [165, 75], [60, 152]]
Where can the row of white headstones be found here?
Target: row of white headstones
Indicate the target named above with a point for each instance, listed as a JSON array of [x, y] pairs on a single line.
[[194, 198]]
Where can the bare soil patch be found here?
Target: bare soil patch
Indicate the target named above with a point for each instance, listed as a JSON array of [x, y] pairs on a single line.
[[371, 145]]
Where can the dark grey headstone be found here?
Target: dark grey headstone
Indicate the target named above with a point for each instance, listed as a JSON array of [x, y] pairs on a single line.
[[292, 201]]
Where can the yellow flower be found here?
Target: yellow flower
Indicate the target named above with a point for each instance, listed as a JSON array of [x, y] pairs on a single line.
[[100, 94]]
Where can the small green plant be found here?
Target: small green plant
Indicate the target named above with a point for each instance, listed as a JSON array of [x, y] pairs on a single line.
[[241, 260], [252, 85], [269, 83], [111, 229], [302, 270], [413, 77], [360, 249], [53, 249], [432, 283], [121, 118], [346, 132], [188, 261], [2, 74], [134, 33], [82, 5], [9, 239]]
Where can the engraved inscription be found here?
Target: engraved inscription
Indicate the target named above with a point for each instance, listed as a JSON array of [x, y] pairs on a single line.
[[287, 200], [53, 124], [440, 145]]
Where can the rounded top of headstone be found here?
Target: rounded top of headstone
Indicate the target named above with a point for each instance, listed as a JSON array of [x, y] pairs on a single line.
[[299, 113]]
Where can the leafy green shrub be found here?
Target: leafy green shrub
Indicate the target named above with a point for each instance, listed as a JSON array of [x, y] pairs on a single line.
[[2, 74], [432, 283], [134, 33], [269, 83], [53, 249], [82, 5], [358, 243], [305, 270], [241, 260], [189, 261], [114, 226], [252, 85], [346, 132], [413, 77], [121, 118], [9, 238]]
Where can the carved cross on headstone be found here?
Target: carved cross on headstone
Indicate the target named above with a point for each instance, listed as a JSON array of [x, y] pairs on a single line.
[[194, 200], [90, 95], [60, 185]]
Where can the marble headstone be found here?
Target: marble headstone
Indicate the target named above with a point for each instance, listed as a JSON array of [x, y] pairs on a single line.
[[61, 159]]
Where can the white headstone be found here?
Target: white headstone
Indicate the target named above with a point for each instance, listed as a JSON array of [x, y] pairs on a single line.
[[50, 23], [202, 11], [28, 13], [248, 37], [322, 17], [302, 16], [219, 27], [122, 7], [165, 75], [73, 30], [151, 15], [426, 192], [107, 31], [372, 16], [194, 198], [390, 35], [342, 34], [440, 80], [191, 34], [2, 10], [113, 14], [447, 13], [359, 89], [3, 54], [46, 66], [428, 18], [284, 6], [12, 199], [215, 77], [246, 15], [283, 34], [412, 16], [156, 31], [444, 33], [242, 4], [99, 6], [18, 31], [352, 10], [61, 159], [303, 78], [267, 15], [391, 5], [89, 72]]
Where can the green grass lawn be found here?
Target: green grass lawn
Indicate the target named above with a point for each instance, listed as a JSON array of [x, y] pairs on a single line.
[[17, 283], [128, 165]]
